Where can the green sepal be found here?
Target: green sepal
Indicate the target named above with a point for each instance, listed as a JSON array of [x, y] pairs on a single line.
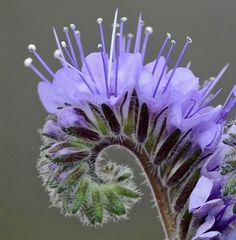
[[80, 195], [72, 178], [228, 167], [125, 192], [97, 206], [230, 187], [124, 177], [113, 204]]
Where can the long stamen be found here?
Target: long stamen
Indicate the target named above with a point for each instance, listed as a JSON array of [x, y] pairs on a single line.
[[81, 50], [148, 32], [105, 69], [57, 55], [138, 34], [99, 21], [66, 31], [63, 44], [188, 41], [59, 47], [168, 37], [117, 62], [32, 48], [112, 45], [216, 80], [230, 102], [28, 63], [130, 36], [121, 39], [164, 67]]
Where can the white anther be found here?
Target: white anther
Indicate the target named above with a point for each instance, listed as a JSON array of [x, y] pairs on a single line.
[[173, 42], [77, 32], [99, 45], [63, 44], [28, 62], [168, 35], [212, 79], [99, 20], [57, 53], [124, 19], [118, 34], [72, 26], [189, 39], [149, 30], [65, 29], [31, 47], [130, 35]]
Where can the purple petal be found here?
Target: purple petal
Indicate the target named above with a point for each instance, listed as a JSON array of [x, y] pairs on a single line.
[[200, 193]]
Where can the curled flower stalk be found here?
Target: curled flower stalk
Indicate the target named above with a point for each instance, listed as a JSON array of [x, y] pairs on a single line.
[[162, 115]]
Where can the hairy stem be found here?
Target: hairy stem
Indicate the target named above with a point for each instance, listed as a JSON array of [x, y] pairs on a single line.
[[158, 190]]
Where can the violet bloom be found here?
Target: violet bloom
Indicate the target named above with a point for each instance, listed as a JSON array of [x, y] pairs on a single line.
[[160, 113]]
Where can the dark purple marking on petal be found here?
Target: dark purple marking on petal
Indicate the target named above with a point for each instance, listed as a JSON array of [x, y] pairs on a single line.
[[122, 105], [156, 119], [111, 119], [59, 147], [71, 158], [136, 109], [162, 130], [143, 123], [81, 132], [166, 147], [185, 166], [82, 113]]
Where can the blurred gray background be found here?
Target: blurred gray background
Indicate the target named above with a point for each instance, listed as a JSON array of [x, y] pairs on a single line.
[[24, 205]]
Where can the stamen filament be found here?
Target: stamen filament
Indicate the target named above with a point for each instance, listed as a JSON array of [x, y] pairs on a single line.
[[188, 41], [63, 44], [32, 48], [57, 55], [148, 32], [121, 39], [66, 30], [28, 63], [59, 47], [117, 62], [105, 69], [112, 45], [164, 67], [168, 37], [138, 34], [130, 36], [82, 55]]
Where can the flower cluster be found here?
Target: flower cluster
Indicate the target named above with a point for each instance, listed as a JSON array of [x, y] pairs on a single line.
[[213, 201], [161, 114]]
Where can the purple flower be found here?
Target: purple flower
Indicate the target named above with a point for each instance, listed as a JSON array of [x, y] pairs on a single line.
[[159, 112]]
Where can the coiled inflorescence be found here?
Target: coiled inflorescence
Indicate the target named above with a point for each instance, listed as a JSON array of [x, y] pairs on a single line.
[[162, 116]]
